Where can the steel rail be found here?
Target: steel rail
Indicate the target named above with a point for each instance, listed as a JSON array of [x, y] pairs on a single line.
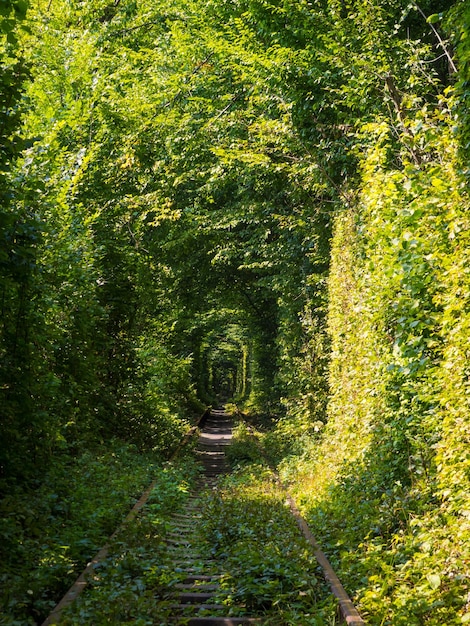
[[348, 611], [81, 582]]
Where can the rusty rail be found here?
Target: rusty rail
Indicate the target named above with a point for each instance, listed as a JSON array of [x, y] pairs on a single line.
[[82, 581], [348, 611]]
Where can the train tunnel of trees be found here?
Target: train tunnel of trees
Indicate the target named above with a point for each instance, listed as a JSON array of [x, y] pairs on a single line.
[[253, 201]]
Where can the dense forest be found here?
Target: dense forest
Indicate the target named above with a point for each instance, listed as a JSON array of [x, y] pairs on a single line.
[[261, 201]]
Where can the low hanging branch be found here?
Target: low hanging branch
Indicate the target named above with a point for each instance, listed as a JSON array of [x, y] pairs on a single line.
[[395, 97], [124, 31], [198, 67], [439, 38]]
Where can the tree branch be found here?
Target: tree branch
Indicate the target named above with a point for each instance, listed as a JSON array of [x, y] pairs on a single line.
[[439, 38], [124, 31]]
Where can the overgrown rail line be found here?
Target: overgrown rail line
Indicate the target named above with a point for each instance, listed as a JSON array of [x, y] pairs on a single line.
[[199, 598]]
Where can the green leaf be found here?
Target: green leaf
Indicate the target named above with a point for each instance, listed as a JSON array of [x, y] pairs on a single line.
[[21, 6], [11, 38], [435, 17], [434, 581]]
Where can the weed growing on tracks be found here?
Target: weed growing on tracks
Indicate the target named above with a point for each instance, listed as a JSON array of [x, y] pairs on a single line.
[[269, 567], [127, 586], [50, 530]]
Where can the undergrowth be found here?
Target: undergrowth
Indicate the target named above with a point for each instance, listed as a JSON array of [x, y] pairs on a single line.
[[50, 529], [399, 550], [270, 566], [267, 567], [402, 559], [131, 585]]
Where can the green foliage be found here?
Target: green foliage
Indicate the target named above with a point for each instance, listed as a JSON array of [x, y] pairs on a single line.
[[129, 585], [20, 237], [379, 490], [79, 286], [50, 530], [244, 446], [259, 200], [139, 575], [271, 568], [457, 25]]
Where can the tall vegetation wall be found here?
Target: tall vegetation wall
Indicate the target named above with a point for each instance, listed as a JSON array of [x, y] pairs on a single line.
[[386, 486], [161, 200]]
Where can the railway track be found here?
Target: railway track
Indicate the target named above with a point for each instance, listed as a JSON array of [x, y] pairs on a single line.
[[199, 599], [197, 595]]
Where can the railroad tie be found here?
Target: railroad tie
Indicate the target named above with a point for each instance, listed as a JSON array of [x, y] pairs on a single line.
[[198, 599]]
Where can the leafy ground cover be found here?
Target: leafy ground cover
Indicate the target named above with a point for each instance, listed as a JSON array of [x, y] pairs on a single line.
[[399, 551], [270, 567], [130, 585], [245, 526], [401, 557], [52, 528]]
